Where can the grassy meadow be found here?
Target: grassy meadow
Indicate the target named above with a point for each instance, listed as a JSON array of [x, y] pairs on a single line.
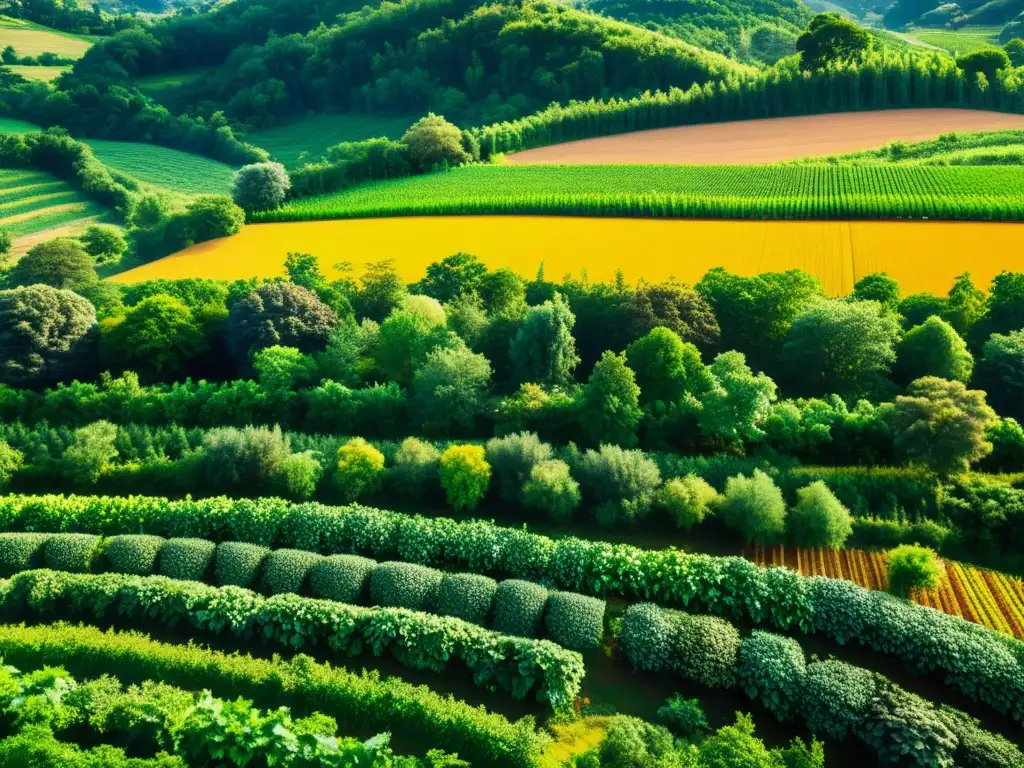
[[29, 39], [13, 125], [838, 253], [158, 86], [308, 139], [679, 191], [170, 169], [33, 201], [959, 41], [43, 74]]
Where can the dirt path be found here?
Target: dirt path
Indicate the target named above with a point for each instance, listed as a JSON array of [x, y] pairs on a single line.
[[766, 141]]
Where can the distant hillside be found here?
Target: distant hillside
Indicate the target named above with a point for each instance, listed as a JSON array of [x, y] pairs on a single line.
[[754, 30], [475, 63]]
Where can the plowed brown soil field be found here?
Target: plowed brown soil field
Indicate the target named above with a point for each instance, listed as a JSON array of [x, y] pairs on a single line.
[[766, 141]]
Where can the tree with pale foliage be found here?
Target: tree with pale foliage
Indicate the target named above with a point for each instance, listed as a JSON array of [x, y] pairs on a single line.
[[261, 186], [359, 470], [434, 141], [819, 519], [754, 507], [465, 476]]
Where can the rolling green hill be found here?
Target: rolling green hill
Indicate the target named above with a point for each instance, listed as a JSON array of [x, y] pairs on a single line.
[[170, 169], [306, 139]]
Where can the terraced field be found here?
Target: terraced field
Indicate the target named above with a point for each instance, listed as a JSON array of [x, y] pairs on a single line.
[[30, 39], [33, 201], [838, 253], [162, 167]]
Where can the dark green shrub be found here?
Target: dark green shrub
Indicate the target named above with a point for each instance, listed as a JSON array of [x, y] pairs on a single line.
[[72, 552], [239, 564], [978, 748], [902, 725], [187, 559], [134, 553], [287, 570], [21, 551], [575, 621], [404, 585], [704, 649], [769, 668], [835, 697], [519, 607], [646, 637], [466, 596], [341, 577], [684, 717]]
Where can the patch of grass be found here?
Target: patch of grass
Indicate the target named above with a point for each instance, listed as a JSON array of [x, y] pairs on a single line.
[[959, 41], [572, 739], [157, 86], [307, 139], [162, 167], [45, 74], [11, 125], [31, 39], [33, 201]]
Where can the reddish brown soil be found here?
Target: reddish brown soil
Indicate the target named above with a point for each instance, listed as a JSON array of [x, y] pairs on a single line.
[[766, 141]]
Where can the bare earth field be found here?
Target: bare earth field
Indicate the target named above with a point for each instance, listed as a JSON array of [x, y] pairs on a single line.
[[766, 141]]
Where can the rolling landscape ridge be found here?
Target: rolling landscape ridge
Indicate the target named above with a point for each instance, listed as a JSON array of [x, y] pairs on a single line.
[[529, 384]]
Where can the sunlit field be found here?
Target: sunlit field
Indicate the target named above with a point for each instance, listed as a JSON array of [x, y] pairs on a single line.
[[923, 256]]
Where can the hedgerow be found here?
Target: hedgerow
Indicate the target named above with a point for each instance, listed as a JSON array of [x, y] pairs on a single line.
[[519, 607], [187, 559], [829, 697], [575, 621], [134, 553], [71, 552], [982, 664], [422, 641], [404, 585], [21, 551], [341, 577], [361, 702], [287, 570], [239, 564], [197, 727], [470, 597]]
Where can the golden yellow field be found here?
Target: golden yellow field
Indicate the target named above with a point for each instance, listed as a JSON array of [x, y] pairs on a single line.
[[923, 256]]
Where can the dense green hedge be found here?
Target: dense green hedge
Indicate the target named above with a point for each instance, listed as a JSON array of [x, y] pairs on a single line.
[[422, 641], [196, 727], [983, 664], [362, 703], [573, 621], [830, 697]]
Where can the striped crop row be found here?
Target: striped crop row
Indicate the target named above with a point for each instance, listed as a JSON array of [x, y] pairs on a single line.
[[983, 193], [991, 599]]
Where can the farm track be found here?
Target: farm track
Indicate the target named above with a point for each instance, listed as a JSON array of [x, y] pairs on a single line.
[[771, 140], [838, 253], [991, 599]]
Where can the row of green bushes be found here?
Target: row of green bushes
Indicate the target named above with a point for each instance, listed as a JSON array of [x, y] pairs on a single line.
[[361, 703], [197, 728], [512, 607], [985, 665], [418, 640], [831, 697]]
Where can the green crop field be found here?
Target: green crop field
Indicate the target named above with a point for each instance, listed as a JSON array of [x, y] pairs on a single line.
[[162, 167], [308, 139], [44, 74], [959, 41], [32, 201], [773, 192], [981, 148], [30, 39], [11, 125]]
